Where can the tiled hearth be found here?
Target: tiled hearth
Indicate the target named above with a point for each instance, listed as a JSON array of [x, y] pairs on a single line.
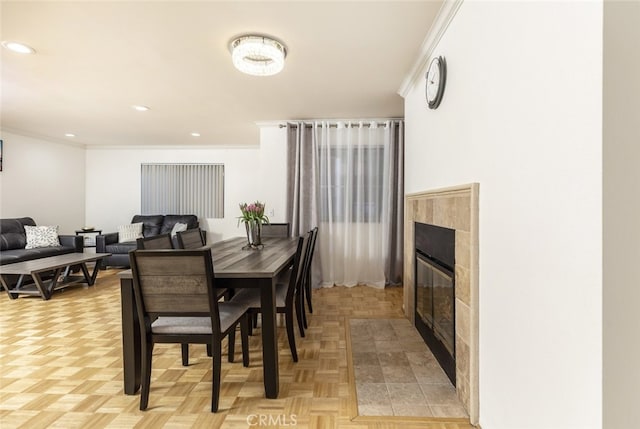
[[455, 208], [396, 374]]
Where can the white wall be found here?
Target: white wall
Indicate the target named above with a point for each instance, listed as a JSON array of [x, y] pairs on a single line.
[[273, 171], [251, 173], [521, 115], [42, 180], [621, 235], [46, 180]]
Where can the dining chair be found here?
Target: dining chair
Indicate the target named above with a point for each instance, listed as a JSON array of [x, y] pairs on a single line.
[[275, 230], [161, 241], [194, 239], [176, 299], [305, 288], [307, 281], [288, 296], [191, 239]]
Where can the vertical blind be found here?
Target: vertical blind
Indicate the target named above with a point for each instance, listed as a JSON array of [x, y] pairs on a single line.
[[183, 189]]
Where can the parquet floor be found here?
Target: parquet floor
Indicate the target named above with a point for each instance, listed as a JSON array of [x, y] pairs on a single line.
[[60, 367]]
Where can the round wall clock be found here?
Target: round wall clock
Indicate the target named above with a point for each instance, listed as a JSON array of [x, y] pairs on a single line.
[[436, 79]]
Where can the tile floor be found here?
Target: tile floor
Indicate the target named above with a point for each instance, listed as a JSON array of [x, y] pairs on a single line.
[[396, 374]]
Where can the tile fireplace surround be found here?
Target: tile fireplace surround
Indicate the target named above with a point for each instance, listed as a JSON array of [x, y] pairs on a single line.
[[455, 208]]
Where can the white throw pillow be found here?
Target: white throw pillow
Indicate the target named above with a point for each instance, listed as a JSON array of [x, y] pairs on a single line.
[[178, 227], [41, 236], [130, 232]]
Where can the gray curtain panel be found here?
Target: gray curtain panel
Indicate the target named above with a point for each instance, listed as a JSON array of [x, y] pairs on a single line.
[[302, 178], [394, 262], [302, 187]]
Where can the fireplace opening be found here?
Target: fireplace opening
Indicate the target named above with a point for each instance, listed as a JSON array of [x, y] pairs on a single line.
[[435, 292]]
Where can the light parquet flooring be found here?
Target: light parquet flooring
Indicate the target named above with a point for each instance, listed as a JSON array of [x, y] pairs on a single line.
[[61, 367]]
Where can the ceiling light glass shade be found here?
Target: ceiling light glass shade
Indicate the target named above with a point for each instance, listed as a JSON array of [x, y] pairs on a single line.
[[20, 48], [258, 55]]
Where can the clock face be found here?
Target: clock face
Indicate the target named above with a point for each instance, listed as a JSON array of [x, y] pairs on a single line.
[[434, 87]]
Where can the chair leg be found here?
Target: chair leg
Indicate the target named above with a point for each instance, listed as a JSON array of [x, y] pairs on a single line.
[[185, 354], [291, 335], [209, 353], [304, 313], [253, 322], [244, 335], [299, 304], [217, 368], [147, 353], [232, 344]]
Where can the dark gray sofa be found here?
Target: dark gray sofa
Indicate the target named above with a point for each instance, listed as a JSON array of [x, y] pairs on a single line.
[[152, 225], [13, 240]]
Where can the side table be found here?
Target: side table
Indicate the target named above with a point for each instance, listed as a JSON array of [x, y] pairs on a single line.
[[89, 236]]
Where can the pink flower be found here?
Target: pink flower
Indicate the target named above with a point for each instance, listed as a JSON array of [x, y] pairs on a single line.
[[253, 212]]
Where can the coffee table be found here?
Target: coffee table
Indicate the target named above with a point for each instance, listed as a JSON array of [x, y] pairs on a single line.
[[60, 265]]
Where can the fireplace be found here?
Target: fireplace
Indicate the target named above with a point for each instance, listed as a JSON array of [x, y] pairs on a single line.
[[455, 209], [435, 292]]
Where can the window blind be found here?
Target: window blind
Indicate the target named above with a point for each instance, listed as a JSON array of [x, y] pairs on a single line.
[[183, 189]]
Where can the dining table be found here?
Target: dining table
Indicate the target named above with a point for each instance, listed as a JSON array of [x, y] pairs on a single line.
[[235, 266]]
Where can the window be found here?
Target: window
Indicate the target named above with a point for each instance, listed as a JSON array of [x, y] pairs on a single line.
[[351, 187], [183, 189]]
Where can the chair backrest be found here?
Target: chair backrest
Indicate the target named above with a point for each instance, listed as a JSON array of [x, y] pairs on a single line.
[[174, 283], [295, 280], [275, 230], [162, 241], [190, 239]]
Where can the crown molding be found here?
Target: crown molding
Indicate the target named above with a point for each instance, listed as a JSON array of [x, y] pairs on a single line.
[[267, 124], [171, 147], [42, 137], [445, 15]]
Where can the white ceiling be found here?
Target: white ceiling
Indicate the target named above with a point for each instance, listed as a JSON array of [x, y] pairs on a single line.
[[96, 59]]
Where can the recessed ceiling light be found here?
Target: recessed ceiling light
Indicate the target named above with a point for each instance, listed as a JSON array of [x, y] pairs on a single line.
[[140, 108], [195, 134], [18, 47], [69, 135]]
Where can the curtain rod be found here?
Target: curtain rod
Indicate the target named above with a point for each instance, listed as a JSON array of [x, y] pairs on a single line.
[[333, 124]]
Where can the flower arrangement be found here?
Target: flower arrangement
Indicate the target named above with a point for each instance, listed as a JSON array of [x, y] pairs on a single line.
[[253, 217], [253, 212]]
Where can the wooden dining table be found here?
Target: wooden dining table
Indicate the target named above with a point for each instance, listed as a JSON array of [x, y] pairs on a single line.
[[234, 267]]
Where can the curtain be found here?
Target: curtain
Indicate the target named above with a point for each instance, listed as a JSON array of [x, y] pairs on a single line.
[[347, 178], [302, 187]]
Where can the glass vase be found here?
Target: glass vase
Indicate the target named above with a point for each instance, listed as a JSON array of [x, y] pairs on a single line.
[[254, 234]]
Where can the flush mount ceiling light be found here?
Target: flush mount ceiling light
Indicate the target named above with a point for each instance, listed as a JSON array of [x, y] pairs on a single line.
[[20, 48], [140, 108], [258, 55]]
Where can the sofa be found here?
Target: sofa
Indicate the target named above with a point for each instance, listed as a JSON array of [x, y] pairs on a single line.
[[151, 225], [13, 240]]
